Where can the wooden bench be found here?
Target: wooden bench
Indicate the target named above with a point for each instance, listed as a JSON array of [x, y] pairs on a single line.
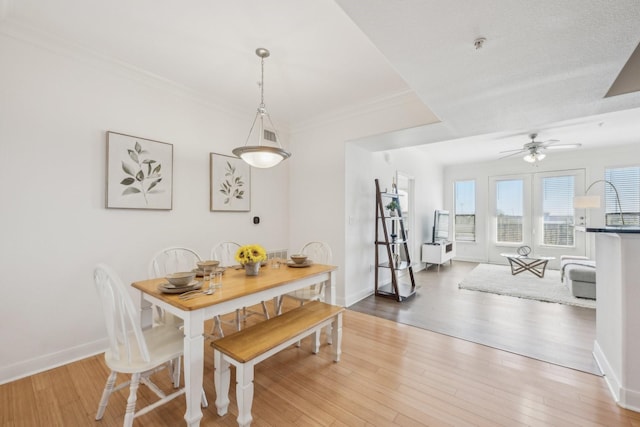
[[248, 347]]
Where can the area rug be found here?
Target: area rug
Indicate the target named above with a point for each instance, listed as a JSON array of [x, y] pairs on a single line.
[[497, 279]]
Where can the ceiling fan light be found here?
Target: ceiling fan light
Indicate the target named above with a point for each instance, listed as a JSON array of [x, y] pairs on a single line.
[[534, 157]]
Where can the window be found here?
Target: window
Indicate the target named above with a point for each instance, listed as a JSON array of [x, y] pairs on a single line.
[[627, 182], [509, 209], [557, 210], [465, 211]]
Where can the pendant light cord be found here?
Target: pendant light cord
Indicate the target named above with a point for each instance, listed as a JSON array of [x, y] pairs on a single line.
[[262, 82]]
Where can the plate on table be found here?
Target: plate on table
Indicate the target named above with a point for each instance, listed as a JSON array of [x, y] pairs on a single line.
[[307, 263], [168, 288]]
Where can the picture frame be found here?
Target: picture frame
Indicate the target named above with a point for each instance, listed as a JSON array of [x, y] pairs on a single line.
[[230, 184], [139, 173]]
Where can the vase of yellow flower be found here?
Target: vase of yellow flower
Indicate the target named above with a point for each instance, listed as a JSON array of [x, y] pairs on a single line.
[[250, 256], [252, 268]]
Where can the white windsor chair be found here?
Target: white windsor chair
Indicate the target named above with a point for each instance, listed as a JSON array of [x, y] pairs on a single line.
[[319, 253], [134, 351]]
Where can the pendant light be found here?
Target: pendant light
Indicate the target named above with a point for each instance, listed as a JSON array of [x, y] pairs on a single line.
[[260, 155]]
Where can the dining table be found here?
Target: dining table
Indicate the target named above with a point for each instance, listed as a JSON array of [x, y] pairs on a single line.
[[238, 290]]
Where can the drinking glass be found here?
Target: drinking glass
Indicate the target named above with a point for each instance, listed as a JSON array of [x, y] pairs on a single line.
[[208, 276], [217, 279]]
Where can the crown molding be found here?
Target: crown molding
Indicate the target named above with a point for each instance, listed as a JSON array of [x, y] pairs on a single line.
[[351, 112], [51, 43], [109, 65], [5, 9]]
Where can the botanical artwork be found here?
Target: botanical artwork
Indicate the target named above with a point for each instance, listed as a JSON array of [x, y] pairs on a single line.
[[139, 172], [230, 184]]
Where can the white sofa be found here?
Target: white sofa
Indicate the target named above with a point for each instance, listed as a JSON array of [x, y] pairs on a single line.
[[579, 275]]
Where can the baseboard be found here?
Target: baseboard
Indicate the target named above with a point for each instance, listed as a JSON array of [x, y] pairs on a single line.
[[626, 398], [352, 299], [52, 360], [630, 399], [469, 259], [609, 375]]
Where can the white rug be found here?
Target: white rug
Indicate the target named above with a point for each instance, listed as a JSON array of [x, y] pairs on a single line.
[[497, 279]]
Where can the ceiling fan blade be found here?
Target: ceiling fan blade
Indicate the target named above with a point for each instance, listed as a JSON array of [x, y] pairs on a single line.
[[561, 146], [510, 151], [512, 154]]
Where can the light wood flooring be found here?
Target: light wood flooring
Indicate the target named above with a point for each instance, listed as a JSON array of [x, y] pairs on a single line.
[[556, 333], [390, 374]]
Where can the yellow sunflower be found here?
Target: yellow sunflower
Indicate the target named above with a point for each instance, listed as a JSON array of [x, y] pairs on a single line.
[[251, 253]]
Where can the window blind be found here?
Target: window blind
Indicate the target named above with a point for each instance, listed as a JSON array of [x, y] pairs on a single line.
[[509, 209], [627, 182], [465, 211], [557, 210]]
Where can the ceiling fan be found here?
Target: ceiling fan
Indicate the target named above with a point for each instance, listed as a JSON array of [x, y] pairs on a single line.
[[534, 150]]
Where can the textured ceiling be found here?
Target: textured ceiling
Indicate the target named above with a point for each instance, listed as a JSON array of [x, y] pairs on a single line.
[[545, 67]]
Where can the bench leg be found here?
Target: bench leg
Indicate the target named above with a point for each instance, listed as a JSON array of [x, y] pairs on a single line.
[[221, 380], [244, 392], [336, 335], [315, 341]]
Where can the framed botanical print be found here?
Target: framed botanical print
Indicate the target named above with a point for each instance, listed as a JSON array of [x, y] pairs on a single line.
[[139, 173], [230, 182]]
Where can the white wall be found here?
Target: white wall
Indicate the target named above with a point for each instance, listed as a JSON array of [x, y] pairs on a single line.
[[593, 161], [359, 233], [55, 108], [323, 185], [363, 167]]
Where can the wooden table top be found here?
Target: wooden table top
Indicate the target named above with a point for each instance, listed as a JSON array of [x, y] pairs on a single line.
[[235, 284]]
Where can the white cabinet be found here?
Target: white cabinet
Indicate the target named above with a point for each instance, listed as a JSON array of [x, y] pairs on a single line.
[[616, 348], [438, 253]]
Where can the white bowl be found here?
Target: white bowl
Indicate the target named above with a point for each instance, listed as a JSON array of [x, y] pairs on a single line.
[[208, 264], [181, 279], [299, 258]]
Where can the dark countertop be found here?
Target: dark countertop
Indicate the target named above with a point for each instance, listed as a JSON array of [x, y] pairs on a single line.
[[619, 230]]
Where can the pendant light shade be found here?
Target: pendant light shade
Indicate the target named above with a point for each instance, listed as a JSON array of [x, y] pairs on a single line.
[[260, 155]]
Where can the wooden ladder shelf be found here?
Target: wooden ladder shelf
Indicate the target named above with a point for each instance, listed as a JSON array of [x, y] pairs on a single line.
[[395, 256]]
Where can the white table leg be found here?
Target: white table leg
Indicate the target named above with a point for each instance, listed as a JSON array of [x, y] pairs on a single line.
[[221, 380], [146, 312], [193, 365], [337, 337], [244, 392], [330, 298]]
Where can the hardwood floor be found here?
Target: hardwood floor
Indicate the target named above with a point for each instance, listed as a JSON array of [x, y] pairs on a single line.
[[390, 374], [555, 333]]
